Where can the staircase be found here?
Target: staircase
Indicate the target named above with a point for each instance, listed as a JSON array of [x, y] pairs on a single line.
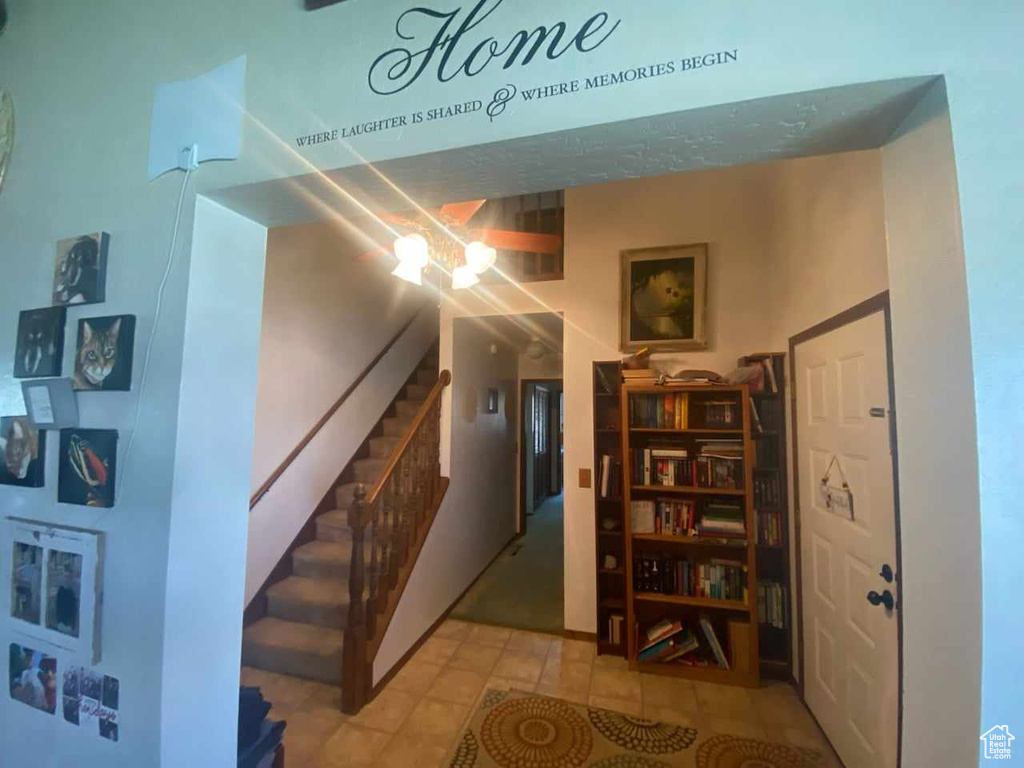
[[387, 494]]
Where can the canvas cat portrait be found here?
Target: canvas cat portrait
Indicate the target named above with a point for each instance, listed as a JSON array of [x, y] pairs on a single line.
[[103, 355], [39, 350], [663, 293], [88, 467], [80, 273], [23, 453]]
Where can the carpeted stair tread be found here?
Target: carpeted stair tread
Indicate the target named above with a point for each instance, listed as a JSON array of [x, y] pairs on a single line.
[[407, 409], [321, 602], [395, 426], [368, 470], [383, 447], [417, 391], [291, 648]]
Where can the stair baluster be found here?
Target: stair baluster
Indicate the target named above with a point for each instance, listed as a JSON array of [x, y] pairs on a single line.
[[371, 611], [355, 686]]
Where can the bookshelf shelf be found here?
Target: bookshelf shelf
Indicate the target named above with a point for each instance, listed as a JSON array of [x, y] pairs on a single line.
[[697, 541], [712, 441], [689, 489], [610, 582], [697, 602], [688, 431], [775, 643]]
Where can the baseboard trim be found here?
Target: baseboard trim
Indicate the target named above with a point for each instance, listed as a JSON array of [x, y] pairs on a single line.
[[390, 674], [572, 634]]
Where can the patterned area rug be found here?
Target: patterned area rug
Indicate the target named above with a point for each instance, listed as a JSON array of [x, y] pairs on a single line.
[[511, 729]]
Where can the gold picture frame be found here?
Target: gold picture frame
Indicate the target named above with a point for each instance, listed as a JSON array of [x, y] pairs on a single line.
[[663, 298]]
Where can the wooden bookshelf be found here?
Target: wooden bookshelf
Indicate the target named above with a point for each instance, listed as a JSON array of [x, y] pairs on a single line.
[[611, 582], [734, 621], [771, 498]]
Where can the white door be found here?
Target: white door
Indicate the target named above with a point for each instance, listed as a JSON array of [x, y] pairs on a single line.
[[851, 646]]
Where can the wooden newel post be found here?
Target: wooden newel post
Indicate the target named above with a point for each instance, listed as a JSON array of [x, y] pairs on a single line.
[[354, 686]]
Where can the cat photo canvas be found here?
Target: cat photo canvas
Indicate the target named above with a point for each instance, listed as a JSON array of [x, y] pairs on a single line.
[[80, 272], [22, 453], [103, 354], [39, 350], [88, 467]]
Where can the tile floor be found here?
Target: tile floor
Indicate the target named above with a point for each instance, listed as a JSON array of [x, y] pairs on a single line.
[[420, 714]]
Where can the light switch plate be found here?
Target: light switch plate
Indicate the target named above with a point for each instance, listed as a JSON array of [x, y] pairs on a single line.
[[584, 478]]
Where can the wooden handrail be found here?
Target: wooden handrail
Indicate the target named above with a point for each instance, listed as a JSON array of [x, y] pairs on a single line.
[[396, 455], [291, 457]]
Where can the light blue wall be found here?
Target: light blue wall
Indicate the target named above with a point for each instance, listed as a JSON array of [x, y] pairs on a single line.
[[82, 75]]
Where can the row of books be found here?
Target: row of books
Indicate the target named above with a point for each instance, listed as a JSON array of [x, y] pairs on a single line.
[[704, 471], [671, 641], [673, 517], [609, 477], [722, 414], [659, 411], [615, 621], [722, 518], [717, 579], [771, 604], [664, 516], [767, 490], [769, 528]]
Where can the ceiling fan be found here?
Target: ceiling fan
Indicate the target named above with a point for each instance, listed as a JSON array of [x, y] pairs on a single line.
[[444, 237]]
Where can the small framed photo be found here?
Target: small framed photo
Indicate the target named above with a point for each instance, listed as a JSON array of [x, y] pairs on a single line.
[[103, 354], [23, 449], [33, 677], [663, 298], [80, 271], [87, 467], [55, 590], [39, 350]]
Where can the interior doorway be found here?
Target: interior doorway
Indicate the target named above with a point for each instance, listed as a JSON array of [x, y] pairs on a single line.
[[541, 460], [847, 530]]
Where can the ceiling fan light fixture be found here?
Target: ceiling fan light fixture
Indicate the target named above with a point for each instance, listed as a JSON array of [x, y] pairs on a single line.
[[480, 257], [412, 250], [409, 272], [535, 350], [464, 277]]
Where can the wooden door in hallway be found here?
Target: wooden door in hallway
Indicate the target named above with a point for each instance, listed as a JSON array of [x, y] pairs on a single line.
[[847, 538], [541, 444]]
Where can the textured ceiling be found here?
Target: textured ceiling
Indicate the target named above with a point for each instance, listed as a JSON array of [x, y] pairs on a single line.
[[518, 330], [848, 118]]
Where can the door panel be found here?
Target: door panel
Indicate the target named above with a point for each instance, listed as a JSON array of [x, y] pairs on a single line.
[[851, 646]]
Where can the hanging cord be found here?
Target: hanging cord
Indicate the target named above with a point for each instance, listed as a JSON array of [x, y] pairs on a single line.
[[122, 475]]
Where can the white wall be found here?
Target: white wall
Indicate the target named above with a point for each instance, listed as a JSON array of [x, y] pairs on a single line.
[[326, 314], [206, 572], [937, 456], [477, 517]]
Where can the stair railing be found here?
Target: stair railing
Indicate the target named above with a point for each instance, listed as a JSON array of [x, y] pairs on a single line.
[[394, 514]]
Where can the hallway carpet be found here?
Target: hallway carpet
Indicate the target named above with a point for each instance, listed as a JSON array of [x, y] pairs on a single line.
[[524, 587]]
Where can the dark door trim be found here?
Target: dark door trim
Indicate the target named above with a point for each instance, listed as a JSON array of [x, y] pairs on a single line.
[[521, 458], [878, 303]]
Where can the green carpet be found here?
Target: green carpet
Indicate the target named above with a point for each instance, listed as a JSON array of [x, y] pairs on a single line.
[[524, 587]]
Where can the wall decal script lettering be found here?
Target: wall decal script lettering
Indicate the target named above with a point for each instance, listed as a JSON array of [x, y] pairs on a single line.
[[457, 53]]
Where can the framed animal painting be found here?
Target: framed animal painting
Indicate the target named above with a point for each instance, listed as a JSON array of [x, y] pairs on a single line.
[[88, 467], [39, 350], [23, 453], [103, 354], [80, 272], [663, 297]]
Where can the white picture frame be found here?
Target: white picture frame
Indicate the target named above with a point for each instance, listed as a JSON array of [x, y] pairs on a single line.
[[54, 588]]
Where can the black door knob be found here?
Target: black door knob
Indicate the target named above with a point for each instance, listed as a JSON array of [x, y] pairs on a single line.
[[887, 574], [885, 599]]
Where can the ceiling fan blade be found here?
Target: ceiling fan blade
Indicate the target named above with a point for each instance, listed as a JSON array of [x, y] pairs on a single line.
[[461, 213], [373, 254], [522, 241]]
